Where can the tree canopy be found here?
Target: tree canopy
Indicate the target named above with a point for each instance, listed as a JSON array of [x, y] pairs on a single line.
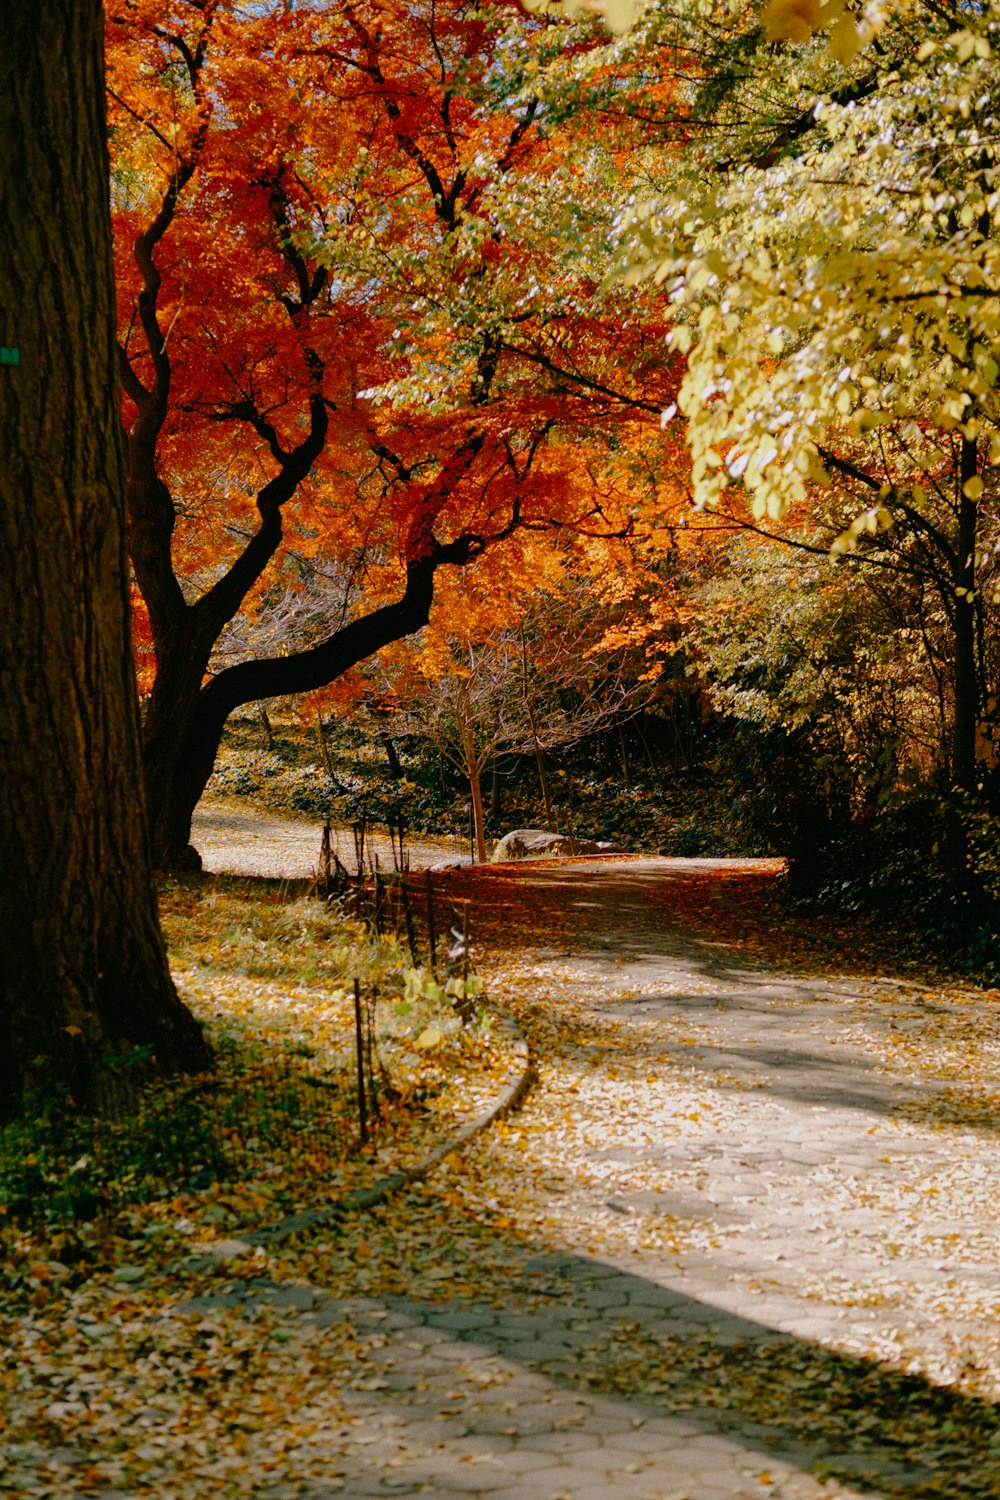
[[359, 268], [405, 293], [827, 248]]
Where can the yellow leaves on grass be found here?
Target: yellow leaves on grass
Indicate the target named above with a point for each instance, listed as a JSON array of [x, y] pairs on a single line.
[[148, 1398], [429, 1038], [162, 1402]]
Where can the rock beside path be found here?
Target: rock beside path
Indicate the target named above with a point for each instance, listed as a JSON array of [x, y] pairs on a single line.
[[528, 843]]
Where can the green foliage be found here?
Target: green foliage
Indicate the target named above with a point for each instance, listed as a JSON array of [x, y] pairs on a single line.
[[833, 732], [271, 974], [840, 299], [675, 809], [828, 248], [150, 1138], [928, 865], [797, 645]]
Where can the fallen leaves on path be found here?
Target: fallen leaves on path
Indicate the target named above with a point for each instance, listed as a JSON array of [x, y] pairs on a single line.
[[105, 1385], [809, 1167]]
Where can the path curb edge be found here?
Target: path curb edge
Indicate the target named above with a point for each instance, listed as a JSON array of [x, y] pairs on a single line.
[[368, 1197]]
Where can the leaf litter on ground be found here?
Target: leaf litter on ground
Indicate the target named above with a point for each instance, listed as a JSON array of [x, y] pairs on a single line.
[[91, 1405], [104, 1384]]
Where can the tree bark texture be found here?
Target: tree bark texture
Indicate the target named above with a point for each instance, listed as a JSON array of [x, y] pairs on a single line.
[[180, 747], [478, 816], [83, 972]]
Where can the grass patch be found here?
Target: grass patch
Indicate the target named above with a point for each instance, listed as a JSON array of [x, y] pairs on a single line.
[[270, 972]]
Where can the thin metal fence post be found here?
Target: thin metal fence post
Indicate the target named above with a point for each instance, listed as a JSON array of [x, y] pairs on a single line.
[[359, 1033], [370, 1049], [465, 1009], [324, 857], [431, 933], [411, 936], [359, 829], [465, 939]]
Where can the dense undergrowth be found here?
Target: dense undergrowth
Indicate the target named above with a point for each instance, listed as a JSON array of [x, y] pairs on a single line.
[[918, 875], [659, 808], [924, 873]]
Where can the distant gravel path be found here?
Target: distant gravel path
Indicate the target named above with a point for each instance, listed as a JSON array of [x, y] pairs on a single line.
[[236, 839]]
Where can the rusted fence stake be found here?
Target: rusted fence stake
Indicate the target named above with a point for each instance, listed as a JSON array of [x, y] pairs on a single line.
[[360, 829], [431, 934], [359, 1030], [370, 1052], [325, 857], [411, 935], [465, 940]]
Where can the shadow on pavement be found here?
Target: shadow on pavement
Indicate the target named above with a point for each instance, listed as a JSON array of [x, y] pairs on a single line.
[[574, 1374], [603, 920]]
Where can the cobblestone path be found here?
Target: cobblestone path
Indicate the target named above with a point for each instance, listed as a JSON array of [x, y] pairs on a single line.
[[746, 1223]]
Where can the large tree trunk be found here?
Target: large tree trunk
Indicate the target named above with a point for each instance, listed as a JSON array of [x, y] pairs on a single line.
[[82, 966], [478, 817], [180, 753], [543, 781], [173, 784]]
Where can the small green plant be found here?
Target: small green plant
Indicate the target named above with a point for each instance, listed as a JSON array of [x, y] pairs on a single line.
[[271, 974]]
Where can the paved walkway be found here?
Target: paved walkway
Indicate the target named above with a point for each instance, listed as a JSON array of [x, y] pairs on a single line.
[[236, 839], [747, 1223]]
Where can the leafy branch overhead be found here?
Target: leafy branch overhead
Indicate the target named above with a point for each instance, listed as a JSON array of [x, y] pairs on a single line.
[[360, 318], [420, 307], [835, 297]]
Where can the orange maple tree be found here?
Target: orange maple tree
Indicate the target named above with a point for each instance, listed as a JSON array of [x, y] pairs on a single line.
[[360, 332]]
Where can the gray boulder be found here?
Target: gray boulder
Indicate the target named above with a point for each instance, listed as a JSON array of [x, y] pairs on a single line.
[[538, 843]]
